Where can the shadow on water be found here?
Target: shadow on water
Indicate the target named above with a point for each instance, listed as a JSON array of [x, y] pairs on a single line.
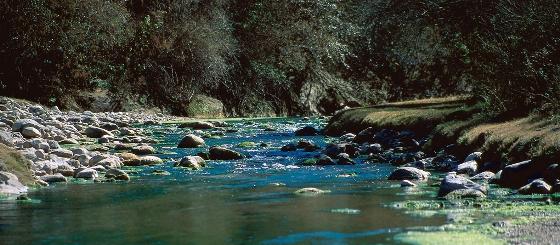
[[243, 202]]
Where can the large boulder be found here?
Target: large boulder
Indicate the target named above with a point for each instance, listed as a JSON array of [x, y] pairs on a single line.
[[452, 182], [220, 153], [193, 162], [9, 184], [191, 141], [409, 173], [518, 174], [96, 132], [202, 106], [31, 132]]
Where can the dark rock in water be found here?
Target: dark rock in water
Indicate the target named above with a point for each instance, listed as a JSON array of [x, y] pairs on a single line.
[[333, 150], [310, 148], [344, 159], [191, 141], [325, 160], [204, 155], [365, 136], [519, 174], [371, 149], [220, 153], [95, 132], [538, 186], [304, 143], [465, 193], [404, 158], [453, 182], [307, 131], [289, 147], [385, 137], [409, 173], [444, 163], [309, 162]]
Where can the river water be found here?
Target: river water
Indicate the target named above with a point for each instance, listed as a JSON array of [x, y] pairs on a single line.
[[230, 202]]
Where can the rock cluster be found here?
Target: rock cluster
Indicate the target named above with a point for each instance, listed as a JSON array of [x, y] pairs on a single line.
[[62, 145]]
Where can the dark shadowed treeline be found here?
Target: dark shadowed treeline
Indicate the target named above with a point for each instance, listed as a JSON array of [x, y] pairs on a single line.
[[283, 57]]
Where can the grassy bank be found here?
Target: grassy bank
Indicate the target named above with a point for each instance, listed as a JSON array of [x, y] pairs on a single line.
[[13, 162], [458, 120]]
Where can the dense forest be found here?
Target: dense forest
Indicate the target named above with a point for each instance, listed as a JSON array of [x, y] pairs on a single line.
[[282, 57]]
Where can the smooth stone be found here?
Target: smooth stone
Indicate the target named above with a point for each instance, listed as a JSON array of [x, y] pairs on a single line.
[[130, 159], [475, 156], [150, 160], [86, 173], [452, 182], [53, 178], [518, 174], [191, 141], [193, 162], [197, 125], [409, 173], [143, 150], [487, 175], [68, 142], [31, 132], [63, 153]]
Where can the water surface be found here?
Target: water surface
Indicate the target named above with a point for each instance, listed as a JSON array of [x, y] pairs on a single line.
[[230, 202]]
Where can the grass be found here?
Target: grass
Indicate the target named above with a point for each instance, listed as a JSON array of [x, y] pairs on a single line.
[[518, 139], [13, 162], [421, 116]]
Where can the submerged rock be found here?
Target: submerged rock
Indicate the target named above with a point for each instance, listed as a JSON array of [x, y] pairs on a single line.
[[409, 173], [117, 174], [465, 193], [310, 191], [307, 131], [452, 182], [191, 141], [220, 153]]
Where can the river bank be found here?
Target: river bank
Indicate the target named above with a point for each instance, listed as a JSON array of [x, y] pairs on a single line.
[[509, 171]]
